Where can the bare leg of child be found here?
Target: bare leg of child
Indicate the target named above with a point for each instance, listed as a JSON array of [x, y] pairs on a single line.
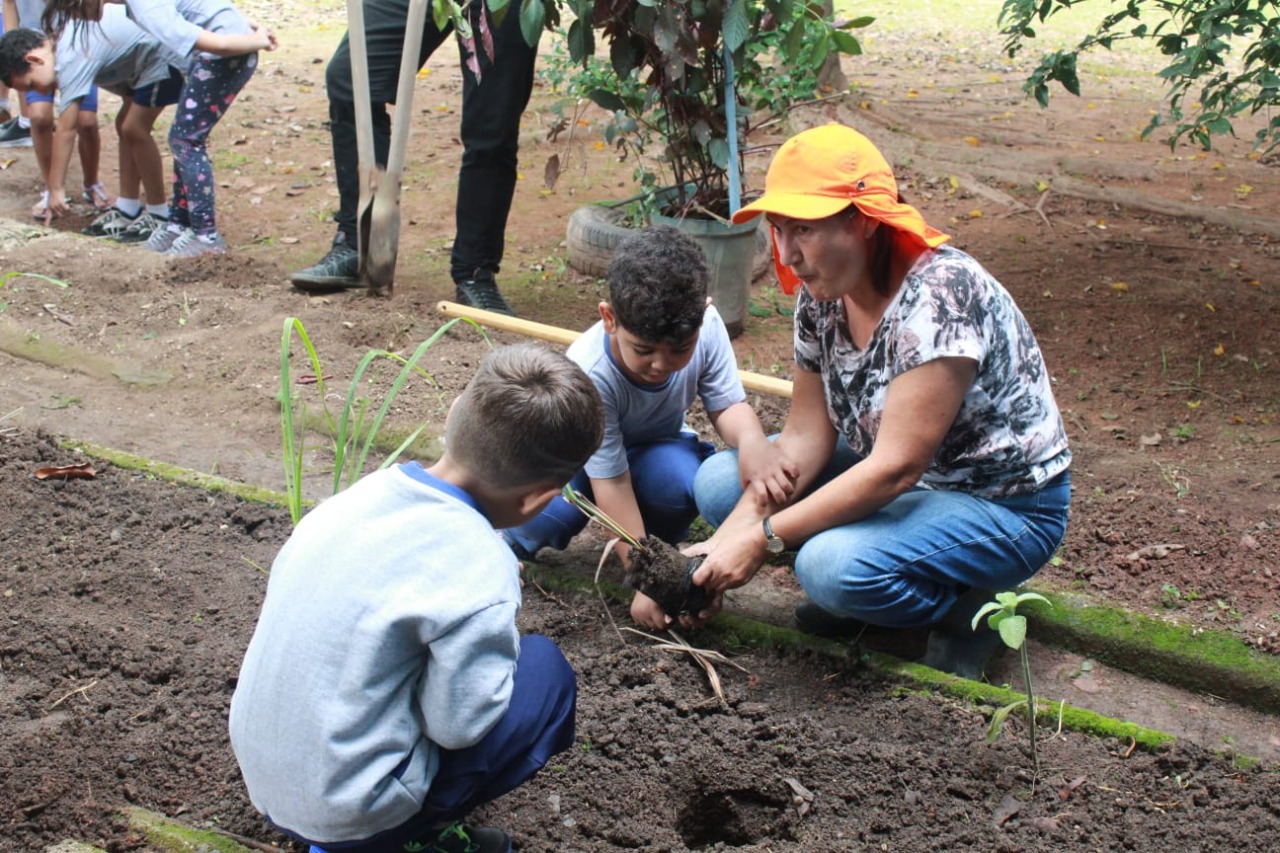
[[41, 115]]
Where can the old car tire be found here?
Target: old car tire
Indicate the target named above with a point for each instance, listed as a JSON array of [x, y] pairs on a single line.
[[593, 233], [591, 236]]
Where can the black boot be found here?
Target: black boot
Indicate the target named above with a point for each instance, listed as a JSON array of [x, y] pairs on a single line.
[[954, 646], [815, 620]]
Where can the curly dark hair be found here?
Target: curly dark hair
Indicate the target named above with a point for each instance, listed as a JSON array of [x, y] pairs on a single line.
[[14, 47], [658, 285]]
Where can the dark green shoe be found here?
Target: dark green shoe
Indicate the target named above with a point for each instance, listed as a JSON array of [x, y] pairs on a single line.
[[337, 269]]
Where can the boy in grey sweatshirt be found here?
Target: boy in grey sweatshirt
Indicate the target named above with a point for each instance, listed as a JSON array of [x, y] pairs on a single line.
[[386, 691]]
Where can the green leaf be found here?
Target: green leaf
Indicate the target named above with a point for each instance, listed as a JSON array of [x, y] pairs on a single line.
[[998, 718], [532, 16], [736, 28], [606, 99], [1013, 630], [440, 15], [983, 611], [846, 43], [858, 23]]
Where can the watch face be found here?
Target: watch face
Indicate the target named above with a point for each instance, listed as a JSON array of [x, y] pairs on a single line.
[[776, 546]]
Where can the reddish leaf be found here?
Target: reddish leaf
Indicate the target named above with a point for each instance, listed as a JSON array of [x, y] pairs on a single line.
[[1065, 790], [67, 472]]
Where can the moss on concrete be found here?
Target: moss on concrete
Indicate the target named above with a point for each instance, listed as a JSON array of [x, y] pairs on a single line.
[[21, 344], [1214, 662], [175, 474], [733, 629], [171, 836]]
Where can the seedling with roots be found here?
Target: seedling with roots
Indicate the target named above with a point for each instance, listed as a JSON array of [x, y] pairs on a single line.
[[657, 569], [1012, 627]]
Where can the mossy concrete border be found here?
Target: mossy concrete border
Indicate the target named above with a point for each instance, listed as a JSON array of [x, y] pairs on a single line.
[[1214, 662], [176, 474], [753, 632], [1218, 663]]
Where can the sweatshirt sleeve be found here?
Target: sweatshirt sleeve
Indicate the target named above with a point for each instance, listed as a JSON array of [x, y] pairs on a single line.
[[162, 19], [468, 681]]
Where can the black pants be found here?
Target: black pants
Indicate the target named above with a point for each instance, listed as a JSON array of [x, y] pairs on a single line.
[[491, 111]]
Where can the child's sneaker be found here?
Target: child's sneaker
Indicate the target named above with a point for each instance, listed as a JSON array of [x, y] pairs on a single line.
[[40, 209], [162, 238], [457, 838], [110, 224], [141, 228], [14, 135], [191, 245]]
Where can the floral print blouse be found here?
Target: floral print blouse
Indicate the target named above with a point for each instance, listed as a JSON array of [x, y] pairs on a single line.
[[1008, 437]]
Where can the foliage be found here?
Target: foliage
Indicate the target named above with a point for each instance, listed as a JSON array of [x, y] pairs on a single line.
[[351, 437], [664, 81], [1207, 91], [1012, 628]]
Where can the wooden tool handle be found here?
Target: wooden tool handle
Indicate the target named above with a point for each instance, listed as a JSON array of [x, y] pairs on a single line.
[[555, 334]]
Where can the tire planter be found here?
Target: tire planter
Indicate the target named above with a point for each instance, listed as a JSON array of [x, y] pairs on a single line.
[[594, 231]]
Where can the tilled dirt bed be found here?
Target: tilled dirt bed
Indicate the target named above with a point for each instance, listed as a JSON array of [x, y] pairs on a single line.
[[128, 602]]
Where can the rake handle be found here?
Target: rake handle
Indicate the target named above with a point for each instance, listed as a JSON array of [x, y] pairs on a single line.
[[543, 332]]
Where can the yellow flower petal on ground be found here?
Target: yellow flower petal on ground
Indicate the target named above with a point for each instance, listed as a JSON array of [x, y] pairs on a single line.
[[1219, 350], [975, 214], [1121, 286], [972, 140]]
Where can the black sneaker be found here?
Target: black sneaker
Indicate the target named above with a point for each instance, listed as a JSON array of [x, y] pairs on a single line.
[[110, 224], [141, 228], [14, 135], [339, 268], [457, 838], [482, 293]]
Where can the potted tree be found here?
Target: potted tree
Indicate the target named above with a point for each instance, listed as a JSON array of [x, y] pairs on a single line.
[[685, 82]]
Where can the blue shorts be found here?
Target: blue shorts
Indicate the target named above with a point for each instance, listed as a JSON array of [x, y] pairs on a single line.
[[89, 103], [161, 94]]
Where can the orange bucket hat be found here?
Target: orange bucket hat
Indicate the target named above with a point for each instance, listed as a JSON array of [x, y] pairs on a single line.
[[820, 172]]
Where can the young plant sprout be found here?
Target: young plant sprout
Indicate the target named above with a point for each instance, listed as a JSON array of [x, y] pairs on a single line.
[[1012, 628], [656, 569]]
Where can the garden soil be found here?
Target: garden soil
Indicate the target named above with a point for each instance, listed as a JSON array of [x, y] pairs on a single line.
[[128, 604], [1158, 328]]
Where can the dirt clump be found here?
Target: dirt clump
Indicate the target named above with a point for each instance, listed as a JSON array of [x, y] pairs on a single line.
[[664, 574]]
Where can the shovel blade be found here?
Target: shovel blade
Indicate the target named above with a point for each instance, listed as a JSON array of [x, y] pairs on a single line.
[[384, 234]]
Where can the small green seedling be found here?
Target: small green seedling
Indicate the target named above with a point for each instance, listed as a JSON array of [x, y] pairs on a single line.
[[1012, 628]]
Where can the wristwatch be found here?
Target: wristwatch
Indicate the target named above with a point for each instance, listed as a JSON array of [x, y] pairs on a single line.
[[772, 540]]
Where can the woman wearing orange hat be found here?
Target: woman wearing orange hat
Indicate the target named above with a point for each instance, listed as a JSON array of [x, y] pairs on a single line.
[[932, 456]]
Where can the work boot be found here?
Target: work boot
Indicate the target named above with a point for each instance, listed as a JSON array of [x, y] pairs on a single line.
[[482, 292], [954, 646], [339, 268], [815, 620]]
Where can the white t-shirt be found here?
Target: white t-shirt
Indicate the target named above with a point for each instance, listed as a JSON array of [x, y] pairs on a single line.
[[114, 53]]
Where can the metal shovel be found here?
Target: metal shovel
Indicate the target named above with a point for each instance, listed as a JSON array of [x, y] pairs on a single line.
[[379, 211]]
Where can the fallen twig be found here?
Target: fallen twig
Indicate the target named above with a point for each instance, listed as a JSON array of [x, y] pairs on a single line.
[[702, 656], [67, 696], [604, 557]]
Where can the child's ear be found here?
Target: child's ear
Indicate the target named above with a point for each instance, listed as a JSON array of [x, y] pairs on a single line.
[[536, 499], [610, 319]]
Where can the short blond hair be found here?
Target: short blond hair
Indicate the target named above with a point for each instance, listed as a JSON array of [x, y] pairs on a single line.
[[529, 415]]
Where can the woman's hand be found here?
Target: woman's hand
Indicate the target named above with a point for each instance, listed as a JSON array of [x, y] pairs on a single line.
[[703, 616], [647, 613], [734, 560]]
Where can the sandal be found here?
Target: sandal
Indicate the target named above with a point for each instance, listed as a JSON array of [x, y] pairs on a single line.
[[97, 196], [41, 208]]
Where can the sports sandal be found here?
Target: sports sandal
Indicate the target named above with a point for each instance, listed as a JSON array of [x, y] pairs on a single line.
[[41, 208], [97, 196]]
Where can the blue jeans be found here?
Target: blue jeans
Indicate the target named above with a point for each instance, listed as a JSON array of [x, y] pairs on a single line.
[[662, 474], [538, 724], [905, 565]]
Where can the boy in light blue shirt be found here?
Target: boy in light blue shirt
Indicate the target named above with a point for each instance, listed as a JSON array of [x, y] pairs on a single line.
[[659, 346], [386, 691]]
